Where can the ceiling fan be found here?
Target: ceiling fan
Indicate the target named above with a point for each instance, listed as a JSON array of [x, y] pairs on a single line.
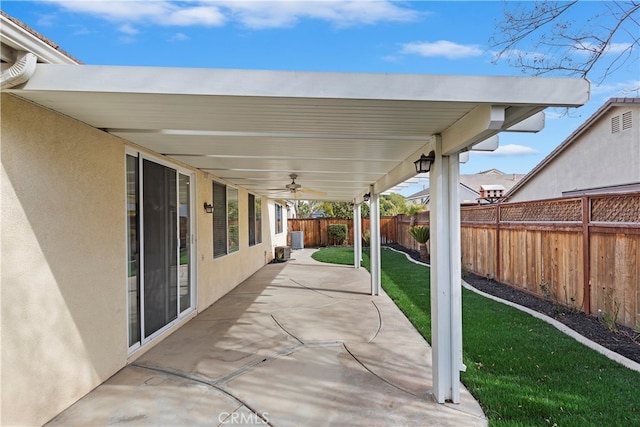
[[296, 188]]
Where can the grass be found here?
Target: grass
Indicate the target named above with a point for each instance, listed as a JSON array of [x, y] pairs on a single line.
[[523, 371]]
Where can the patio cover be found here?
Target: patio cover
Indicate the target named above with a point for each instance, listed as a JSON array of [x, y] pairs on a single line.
[[344, 135], [339, 132]]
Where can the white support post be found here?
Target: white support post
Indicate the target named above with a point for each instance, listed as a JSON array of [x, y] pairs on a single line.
[[357, 236], [455, 268], [374, 245], [446, 327]]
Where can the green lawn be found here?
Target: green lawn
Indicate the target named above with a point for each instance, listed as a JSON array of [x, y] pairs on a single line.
[[523, 371]]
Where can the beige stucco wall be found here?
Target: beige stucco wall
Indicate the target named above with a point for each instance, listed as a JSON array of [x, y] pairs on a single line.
[[63, 252], [218, 276], [63, 325]]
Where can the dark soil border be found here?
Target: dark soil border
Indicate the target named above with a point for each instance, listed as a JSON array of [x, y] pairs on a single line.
[[624, 341]]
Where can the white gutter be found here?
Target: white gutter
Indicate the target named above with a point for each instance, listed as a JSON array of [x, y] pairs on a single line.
[[21, 38], [19, 72]]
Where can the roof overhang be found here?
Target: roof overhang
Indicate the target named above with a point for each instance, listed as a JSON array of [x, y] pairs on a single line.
[[341, 133], [17, 37]]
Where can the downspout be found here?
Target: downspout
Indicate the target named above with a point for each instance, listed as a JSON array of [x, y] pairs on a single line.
[[20, 72]]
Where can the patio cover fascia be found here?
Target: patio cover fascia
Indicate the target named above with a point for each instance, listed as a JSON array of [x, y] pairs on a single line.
[[344, 134]]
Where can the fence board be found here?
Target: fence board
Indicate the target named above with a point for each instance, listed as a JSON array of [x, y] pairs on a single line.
[[615, 276]]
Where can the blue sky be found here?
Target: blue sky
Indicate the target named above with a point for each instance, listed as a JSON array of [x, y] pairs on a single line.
[[347, 36]]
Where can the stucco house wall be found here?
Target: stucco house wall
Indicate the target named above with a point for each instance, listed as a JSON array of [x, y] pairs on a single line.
[[596, 157], [63, 301], [64, 259], [218, 276]]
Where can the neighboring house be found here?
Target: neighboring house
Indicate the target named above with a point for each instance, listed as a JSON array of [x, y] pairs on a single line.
[[493, 182], [133, 198], [601, 156], [466, 196]]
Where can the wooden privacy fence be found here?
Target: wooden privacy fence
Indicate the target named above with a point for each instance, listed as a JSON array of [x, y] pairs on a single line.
[[581, 252], [315, 230]]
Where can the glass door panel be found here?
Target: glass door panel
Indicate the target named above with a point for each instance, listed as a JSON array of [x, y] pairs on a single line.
[[160, 245], [133, 256], [184, 278]]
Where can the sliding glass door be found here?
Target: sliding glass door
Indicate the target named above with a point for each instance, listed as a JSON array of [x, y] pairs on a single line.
[[159, 207], [159, 215]]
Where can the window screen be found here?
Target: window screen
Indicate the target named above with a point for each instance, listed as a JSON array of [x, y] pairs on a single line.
[[219, 219]]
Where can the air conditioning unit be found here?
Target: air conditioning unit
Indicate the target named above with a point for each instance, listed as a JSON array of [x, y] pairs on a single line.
[[283, 253], [297, 240]]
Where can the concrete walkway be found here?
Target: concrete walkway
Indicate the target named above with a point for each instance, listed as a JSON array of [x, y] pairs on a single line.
[[297, 344]]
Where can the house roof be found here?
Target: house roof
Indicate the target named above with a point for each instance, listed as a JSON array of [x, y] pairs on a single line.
[[485, 178], [612, 102], [18, 36], [492, 187], [339, 132]]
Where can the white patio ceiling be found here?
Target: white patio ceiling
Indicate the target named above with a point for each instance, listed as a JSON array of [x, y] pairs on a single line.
[[340, 133]]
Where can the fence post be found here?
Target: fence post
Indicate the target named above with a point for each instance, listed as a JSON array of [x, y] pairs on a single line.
[[498, 255], [586, 255]]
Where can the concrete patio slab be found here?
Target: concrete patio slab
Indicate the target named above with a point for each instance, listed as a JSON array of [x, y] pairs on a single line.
[[296, 344]]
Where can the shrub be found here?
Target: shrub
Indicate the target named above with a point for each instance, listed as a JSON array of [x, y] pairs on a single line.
[[338, 232], [420, 233], [366, 237]]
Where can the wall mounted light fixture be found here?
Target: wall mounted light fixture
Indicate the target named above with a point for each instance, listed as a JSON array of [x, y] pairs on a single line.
[[366, 197], [423, 164], [208, 207]]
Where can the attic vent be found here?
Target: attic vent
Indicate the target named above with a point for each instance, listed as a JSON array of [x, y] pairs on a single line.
[[626, 120], [615, 124]]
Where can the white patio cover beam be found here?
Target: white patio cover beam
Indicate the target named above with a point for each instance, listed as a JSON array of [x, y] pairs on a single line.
[[357, 236], [403, 171], [480, 124], [534, 124], [374, 242], [489, 144]]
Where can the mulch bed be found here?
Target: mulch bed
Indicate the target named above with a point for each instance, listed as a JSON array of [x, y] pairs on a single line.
[[620, 341]]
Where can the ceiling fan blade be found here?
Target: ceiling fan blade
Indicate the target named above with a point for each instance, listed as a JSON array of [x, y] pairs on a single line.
[[308, 190]]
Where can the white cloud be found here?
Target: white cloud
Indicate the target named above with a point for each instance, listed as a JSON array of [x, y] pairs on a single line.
[[509, 150], [442, 48], [273, 14], [250, 14], [611, 49], [154, 12], [179, 37], [628, 88], [524, 55], [46, 20], [128, 29], [199, 15]]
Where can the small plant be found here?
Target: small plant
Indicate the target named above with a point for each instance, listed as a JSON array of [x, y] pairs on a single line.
[[421, 234], [571, 301], [610, 310], [338, 232], [550, 295], [466, 270], [366, 238]]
